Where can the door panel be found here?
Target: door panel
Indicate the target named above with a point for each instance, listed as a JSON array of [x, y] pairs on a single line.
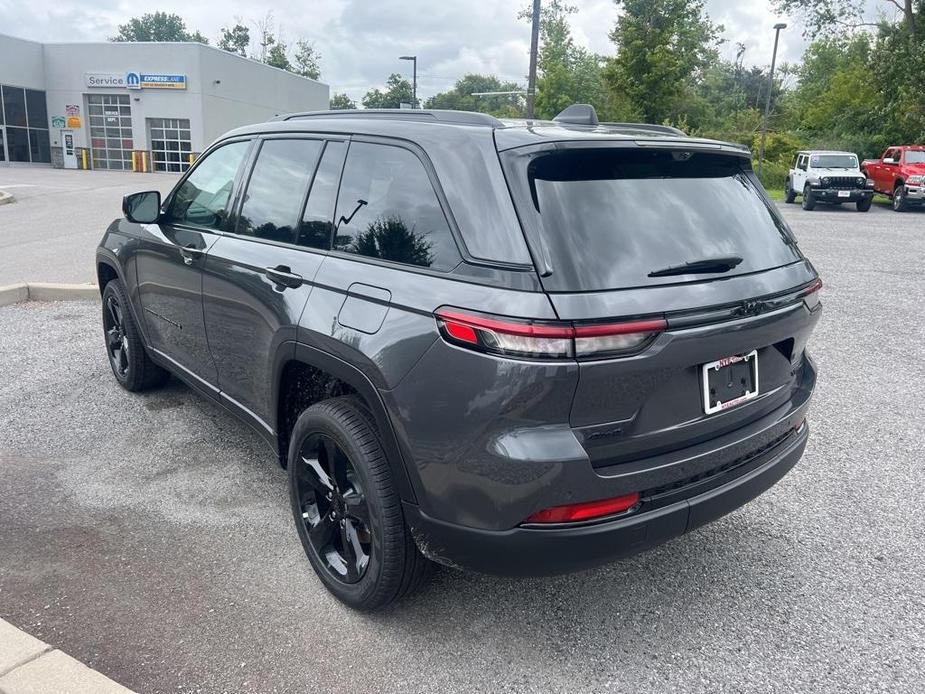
[[248, 315]]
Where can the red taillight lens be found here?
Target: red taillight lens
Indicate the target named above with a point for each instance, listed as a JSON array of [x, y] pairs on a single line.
[[811, 294], [588, 510], [545, 339]]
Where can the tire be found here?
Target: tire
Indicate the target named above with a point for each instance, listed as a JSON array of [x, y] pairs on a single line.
[[347, 512], [900, 201], [809, 200], [130, 363], [789, 195], [864, 205]]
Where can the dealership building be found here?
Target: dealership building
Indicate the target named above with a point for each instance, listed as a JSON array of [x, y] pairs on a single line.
[[134, 106]]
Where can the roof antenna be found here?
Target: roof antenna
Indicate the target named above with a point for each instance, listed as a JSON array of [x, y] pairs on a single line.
[[578, 114]]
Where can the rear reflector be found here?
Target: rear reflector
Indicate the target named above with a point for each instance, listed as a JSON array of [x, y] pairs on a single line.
[[588, 510], [545, 339]]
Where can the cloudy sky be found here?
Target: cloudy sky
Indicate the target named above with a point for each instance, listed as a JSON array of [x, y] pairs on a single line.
[[360, 40]]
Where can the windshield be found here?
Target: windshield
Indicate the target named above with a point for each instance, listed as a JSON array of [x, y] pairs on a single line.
[[833, 161], [915, 156], [610, 217]]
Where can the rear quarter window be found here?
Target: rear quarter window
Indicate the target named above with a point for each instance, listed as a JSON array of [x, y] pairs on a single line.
[[609, 217]]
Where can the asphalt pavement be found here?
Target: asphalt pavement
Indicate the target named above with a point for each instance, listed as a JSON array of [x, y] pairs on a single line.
[[149, 536], [49, 234]]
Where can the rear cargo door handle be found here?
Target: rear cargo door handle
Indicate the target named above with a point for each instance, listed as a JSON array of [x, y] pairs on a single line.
[[283, 276], [190, 253]]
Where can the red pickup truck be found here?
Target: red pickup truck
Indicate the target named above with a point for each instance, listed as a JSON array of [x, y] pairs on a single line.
[[899, 174]]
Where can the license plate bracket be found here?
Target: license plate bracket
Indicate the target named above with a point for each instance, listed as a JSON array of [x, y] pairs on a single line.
[[844, 193], [730, 381]]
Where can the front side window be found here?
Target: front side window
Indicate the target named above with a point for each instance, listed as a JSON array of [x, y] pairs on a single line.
[[317, 226], [802, 162], [276, 189], [202, 199], [387, 209]]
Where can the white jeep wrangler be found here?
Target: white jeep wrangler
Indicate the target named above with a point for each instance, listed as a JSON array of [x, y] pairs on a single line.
[[829, 177]]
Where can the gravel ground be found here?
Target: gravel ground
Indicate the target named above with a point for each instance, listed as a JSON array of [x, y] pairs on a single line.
[[150, 537]]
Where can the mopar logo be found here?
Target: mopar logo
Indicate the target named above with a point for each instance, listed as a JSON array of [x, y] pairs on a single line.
[[133, 80]]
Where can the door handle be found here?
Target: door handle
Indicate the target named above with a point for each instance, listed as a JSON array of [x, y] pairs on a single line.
[[283, 276], [190, 253]]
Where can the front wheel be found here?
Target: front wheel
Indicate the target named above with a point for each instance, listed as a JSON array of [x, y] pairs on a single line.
[[789, 194], [900, 201], [809, 200], [864, 205], [130, 364], [348, 515]]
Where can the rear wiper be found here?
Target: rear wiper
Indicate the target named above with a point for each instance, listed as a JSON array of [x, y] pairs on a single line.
[[722, 264]]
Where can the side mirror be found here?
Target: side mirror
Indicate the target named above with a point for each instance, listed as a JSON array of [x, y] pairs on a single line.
[[889, 160], [142, 208]]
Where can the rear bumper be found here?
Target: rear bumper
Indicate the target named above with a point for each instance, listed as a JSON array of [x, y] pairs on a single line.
[[524, 551]]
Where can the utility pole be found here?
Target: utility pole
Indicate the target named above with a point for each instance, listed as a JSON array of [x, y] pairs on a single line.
[[534, 48], [767, 103], [414, 83]]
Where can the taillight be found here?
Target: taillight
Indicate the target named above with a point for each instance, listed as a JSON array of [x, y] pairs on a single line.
[[545, 339], [811, 294], [588, 510]]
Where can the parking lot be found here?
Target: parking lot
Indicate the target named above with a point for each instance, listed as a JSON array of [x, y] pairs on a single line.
[[150, 536]]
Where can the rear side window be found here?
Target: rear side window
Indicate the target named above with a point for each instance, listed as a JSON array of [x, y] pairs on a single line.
[[387, 209], [276, 189], [317, 227], [609, 218], [202, 198]]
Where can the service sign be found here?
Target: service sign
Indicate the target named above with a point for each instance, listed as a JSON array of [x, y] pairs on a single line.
[[134, 80], [152, 81], [105, 79]]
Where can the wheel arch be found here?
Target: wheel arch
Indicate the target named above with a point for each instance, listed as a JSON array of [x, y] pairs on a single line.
[[108, 268], [310, 375]]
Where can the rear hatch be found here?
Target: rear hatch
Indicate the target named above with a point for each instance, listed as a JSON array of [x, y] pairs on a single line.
[[678, 234]]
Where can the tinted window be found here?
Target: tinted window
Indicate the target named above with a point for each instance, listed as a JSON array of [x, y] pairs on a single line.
[[317, 226], [610, 217], [38, 115], [277, 188], [915, 156], [38, 146], [202, 198], [14, 106], [387, 208]]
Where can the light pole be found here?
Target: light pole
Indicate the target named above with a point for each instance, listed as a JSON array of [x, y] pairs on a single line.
[[534, 47], [767, 103], [414, 83]]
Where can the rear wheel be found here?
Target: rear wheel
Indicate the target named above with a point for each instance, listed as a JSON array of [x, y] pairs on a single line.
[[864, 205], [789, 194], [900, 201], [809, 200], [347, 512], [130, 364]]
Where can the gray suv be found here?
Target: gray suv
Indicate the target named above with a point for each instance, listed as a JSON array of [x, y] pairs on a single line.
[[514, 347]]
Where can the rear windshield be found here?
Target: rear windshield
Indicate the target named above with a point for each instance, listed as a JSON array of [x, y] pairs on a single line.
[[915, 156], [833, 161], [610, 217]]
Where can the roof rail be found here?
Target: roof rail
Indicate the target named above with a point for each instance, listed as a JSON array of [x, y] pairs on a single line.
[[667, 129], [438, 115]]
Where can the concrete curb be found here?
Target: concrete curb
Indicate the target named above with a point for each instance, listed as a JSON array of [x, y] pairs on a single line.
[[43, 291], [6, 198], [30, 666]]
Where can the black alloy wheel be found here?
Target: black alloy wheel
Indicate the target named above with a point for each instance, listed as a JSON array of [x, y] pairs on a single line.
[[117, 346], [130, 363], [334, 510]]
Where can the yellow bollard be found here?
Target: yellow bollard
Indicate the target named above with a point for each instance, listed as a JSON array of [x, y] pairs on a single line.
[[83, 158], [134, 165], [144, 162]]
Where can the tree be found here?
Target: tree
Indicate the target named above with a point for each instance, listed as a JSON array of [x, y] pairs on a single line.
[[399, 91], [342, 102], [390, 238], [663, 47], [307, 60], [157, 26], [460, 97], [835, 16], [235, 40], [566, 74], [276, 56]]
